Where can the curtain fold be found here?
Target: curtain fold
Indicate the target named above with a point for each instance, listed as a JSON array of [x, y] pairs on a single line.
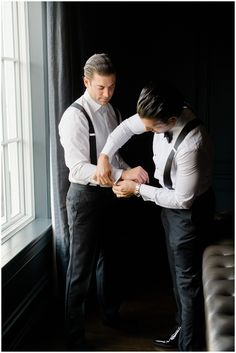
[[59, 98]]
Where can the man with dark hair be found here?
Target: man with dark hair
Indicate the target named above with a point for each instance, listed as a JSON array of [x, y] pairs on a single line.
[[83, 130], [182, 153]]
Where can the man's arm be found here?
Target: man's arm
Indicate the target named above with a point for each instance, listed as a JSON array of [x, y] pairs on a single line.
[[186, 188], [74, 137], [117, 139]]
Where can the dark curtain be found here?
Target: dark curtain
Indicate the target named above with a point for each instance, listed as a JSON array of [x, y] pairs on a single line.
[[70, 41], [178, 41], [61, 95]]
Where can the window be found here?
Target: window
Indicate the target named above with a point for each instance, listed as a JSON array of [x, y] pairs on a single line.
[[17, 203]]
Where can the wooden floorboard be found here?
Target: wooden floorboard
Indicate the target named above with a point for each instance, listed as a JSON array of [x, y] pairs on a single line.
[[146, 313]]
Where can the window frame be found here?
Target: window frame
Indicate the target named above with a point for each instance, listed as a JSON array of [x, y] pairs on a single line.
[[23, 139], [40, 137]]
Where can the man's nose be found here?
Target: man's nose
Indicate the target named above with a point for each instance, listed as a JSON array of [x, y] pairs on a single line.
[[106, 92]]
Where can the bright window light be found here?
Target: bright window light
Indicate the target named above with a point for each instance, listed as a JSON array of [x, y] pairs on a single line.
[[17, 202]]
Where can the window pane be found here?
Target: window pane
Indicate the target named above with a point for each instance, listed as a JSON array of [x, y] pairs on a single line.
[[17, 171], [1, 120], [10, 97], [14, 179], [7, 29]]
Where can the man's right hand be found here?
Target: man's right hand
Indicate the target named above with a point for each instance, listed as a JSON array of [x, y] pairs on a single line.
[[103, 173], [137, 174]]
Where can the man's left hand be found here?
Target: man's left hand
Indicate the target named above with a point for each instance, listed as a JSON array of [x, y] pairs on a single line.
[[125, 188]]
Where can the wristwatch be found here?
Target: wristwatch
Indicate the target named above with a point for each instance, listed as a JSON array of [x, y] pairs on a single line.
[[137, 190]]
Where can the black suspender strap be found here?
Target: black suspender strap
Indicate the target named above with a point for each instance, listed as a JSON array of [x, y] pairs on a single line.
[[92, 136], [187, 128]]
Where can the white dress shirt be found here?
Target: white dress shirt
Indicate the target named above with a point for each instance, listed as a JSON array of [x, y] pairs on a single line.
[[74, 137], [191, 170]]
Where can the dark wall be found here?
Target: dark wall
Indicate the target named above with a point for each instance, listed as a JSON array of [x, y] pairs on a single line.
[[27, 291], [188, 43], [192, 45]]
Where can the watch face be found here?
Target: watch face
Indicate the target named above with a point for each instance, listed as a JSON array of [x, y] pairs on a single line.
[[137, 189]]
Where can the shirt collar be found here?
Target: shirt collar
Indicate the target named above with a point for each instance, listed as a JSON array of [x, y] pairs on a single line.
[[183, 119], [94, 105]]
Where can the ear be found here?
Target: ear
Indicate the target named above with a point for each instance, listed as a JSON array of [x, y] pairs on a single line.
[[86, 81], [172, 120]]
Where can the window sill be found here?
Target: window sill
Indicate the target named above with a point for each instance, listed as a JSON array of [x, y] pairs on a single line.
[[19, 241]]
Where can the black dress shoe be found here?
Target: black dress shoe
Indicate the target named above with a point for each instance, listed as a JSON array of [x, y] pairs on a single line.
[[172, 341]]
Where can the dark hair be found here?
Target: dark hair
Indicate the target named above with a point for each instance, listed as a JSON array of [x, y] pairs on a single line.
[[160, 101], [99, 63]]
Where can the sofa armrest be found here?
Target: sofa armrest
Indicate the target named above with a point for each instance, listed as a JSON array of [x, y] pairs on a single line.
[[218, 289]]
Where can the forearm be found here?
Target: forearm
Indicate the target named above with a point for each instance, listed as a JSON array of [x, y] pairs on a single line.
[[115, 140], [82, 172], [122, 134], [166, 198]]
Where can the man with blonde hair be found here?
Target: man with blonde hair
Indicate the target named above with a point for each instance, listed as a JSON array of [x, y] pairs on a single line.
[[83, 130]]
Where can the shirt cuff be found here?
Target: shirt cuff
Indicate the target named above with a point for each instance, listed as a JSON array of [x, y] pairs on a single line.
[[92, 170], [116, 174]]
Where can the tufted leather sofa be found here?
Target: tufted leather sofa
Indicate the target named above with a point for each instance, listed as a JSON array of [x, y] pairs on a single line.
[[218, 289]]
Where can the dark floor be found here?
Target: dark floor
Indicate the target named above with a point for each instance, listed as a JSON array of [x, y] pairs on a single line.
[[146, 315], [148, 312]]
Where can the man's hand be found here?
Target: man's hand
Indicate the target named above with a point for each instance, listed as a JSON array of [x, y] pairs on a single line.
[[137, 174], [103, 171], [125, 188]]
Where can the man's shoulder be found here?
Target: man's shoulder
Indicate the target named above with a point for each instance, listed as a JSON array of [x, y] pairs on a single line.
[[72, 107], [71, 111]]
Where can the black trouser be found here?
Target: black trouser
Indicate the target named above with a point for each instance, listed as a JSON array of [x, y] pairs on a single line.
[[187, 232], [92, 241]]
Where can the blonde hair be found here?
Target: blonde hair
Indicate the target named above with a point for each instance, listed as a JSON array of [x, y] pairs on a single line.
[[99, 63]]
